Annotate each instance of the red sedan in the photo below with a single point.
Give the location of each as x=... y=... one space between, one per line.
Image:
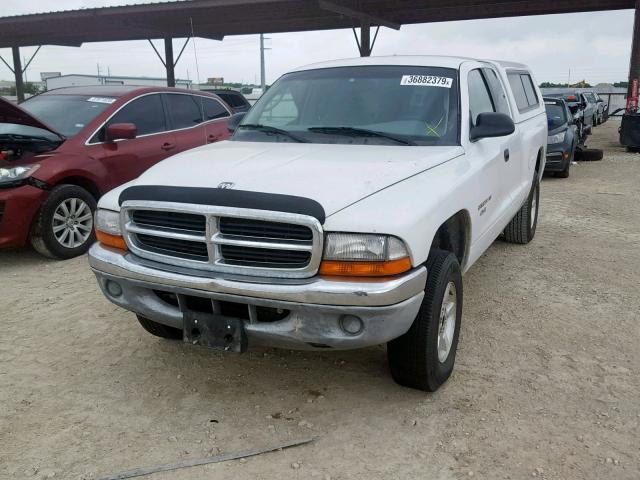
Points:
x=61 y=150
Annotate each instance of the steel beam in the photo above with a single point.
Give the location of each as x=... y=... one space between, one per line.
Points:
x=17 y=72
x=358 y=15
x=169 y=63
x=634 y=63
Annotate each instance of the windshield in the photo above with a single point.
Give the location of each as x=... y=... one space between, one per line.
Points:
x=378 y=105
x=68 y=114
x=556 y=115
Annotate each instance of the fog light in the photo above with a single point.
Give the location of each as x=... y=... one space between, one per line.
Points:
x=114 y=288
x=351 y=324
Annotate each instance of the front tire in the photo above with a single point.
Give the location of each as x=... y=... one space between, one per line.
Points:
x=159 y=330
x=522 y=228
x=423 y=358
x=63 y=227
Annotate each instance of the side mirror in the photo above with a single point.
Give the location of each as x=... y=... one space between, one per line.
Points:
x=492 y=124
x=121 y=131
x=234 y=121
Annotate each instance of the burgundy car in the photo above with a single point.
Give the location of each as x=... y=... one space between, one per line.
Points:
x=61 y=150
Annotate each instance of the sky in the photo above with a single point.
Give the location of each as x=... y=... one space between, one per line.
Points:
x=590 y=46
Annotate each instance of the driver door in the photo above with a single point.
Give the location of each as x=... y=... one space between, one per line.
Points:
x=128 y=159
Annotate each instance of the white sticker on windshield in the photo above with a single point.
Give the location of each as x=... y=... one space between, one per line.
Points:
x=101 y=100
x=426 y=81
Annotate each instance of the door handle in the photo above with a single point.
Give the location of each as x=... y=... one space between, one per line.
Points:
x=168 y=146
x=506 y=155
x=213 y=138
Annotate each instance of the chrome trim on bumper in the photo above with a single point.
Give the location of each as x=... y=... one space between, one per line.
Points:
x=316 y=290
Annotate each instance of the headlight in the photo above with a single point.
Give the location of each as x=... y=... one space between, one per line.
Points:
x=557 y=138
x=357 y=254
x=108 y=231
x=108 y=221
x=8 y=175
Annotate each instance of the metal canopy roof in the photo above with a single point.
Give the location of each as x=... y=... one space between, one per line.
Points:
x=218 y=18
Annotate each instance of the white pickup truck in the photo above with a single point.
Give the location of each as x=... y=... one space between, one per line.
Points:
x=341 y=214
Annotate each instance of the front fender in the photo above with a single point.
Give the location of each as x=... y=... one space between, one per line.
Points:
x=413 y=209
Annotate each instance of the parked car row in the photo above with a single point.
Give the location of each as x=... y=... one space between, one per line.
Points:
x=61 y=150
x=571 y=117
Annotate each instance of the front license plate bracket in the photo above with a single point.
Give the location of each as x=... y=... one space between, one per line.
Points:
x=214 y=331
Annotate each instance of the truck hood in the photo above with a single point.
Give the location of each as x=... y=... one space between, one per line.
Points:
x=336 y=176
x=12 y=113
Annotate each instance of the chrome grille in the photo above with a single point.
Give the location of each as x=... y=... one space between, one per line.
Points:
x=224 y=239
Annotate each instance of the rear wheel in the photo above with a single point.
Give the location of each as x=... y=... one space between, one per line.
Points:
x=160 y=330
x=522 y=228
x=64 y=225
x=423 y=358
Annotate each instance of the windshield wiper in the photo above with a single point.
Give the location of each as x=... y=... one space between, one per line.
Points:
x=274 y=130
x=356 y=132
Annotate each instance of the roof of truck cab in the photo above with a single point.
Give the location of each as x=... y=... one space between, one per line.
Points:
x=412 y=60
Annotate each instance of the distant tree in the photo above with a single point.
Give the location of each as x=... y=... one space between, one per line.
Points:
x=29 y=88
x=621 y=84
x=552 y=85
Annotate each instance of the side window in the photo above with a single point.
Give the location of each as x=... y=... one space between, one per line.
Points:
x=184 y=110
x=497 y=91
x=518 y=91
x=480 y=100
x=530 y=90
x=523 y=90
x=146 y=113
x=213 y=109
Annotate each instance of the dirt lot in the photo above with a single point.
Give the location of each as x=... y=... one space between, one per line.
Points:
x=546 y=382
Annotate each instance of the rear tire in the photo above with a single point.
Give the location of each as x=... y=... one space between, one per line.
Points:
x=522 y=228
x=423 y=358
x=159 y=330
x=69 y=211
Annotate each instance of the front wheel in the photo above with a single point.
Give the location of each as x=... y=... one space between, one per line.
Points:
x=423 y=358
x=158 y=329
x=64 y=225
x=522 y=228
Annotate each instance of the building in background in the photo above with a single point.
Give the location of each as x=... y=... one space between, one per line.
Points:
x=79 y=80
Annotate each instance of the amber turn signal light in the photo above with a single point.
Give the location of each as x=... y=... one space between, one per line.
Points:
x=365 y=269
x=108 y=240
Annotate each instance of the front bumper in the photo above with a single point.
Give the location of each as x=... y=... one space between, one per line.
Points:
x=18 y=206
x=314 y=308
x=558 y=160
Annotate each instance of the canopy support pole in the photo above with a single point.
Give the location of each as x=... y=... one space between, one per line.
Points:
x=17 y=71
x=168 y=62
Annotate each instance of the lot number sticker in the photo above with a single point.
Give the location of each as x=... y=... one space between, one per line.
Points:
x=101 y=100
x=426 y=81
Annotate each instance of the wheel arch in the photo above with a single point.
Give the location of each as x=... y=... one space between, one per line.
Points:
x=83 y=182
x=454 y=235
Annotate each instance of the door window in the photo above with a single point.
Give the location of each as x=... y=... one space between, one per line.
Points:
x=480 y=100
x=497 y=91
x=184 y=110
x=146 y=113
x=213 y=109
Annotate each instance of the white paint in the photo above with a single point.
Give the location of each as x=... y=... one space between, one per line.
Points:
x=404 y=191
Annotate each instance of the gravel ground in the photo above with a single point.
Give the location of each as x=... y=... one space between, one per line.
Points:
x=546 y=382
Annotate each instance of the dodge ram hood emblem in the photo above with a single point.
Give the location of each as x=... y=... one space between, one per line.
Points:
x=226 y=185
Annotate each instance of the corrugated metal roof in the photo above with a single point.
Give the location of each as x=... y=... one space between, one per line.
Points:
x=219 y=18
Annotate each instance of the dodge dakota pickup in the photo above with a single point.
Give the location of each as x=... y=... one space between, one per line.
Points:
x=341 y=214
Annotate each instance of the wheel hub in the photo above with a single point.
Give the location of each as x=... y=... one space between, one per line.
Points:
x=447 y=322
x=72 y=222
